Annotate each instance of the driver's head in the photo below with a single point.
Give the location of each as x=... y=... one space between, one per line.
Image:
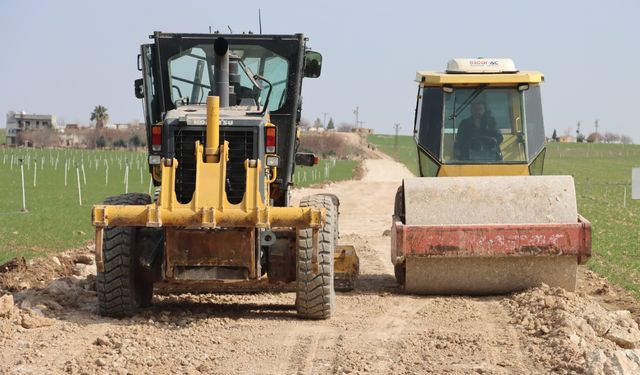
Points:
x=478 y=109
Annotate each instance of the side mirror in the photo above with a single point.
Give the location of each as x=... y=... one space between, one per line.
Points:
x=306 y=159
x=138 y=87
x=312 y=64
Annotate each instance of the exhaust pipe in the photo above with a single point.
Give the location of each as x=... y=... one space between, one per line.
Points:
x=221 y=72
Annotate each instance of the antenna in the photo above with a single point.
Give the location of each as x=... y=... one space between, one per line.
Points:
x=260 y=20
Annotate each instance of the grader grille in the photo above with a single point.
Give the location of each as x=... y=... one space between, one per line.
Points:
x=242 y=146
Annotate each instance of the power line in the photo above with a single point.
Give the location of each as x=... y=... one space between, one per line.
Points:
x=324 y=119
x=395 y=140
x=357 y=112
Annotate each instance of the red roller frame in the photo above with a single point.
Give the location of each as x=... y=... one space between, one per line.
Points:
x=492 y=240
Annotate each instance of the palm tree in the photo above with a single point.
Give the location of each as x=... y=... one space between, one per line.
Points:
x=100 y=115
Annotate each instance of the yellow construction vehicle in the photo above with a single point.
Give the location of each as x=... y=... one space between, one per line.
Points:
x=221 y=115
x=481 y=219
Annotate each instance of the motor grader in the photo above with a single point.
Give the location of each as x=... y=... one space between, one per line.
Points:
x=221 y=114
x=482 y=219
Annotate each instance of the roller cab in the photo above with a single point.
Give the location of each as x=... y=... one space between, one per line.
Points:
x=481 y=219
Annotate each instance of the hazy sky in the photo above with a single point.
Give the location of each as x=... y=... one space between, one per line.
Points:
x=65 y=57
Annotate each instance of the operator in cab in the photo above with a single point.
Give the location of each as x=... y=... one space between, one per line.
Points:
x=478 y=134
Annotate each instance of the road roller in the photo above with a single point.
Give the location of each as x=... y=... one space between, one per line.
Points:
x=482 y=218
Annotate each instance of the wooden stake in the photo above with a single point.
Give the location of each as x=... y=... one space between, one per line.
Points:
x=126 y=178
x=79 y=189
x=24 y=199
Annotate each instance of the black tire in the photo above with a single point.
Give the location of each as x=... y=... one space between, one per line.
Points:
x=336 y=221
x=315 y=296
x=121 y=290
x=398 y=210
x=400 y=273
x=398 y=206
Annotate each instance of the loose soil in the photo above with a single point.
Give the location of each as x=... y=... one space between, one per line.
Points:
x=49 y=325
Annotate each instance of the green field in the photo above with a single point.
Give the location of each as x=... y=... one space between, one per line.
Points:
x=55 y=219
x=3 y=136
x=602 y=174
x=326 y=170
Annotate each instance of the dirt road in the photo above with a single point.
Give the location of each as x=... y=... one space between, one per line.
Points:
x=53 y=327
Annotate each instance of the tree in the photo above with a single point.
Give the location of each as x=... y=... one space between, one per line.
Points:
x=101 y=142
x=100 y=116
x=135 y=141
x=625 y=139
x=611 y=137
x=330 y=125
x=345 y=127
x=304 y=124
x=119 y=143
x=317 y=123
x=39 y=137
x=580 y=138
x=554 y=137
x=594 y=137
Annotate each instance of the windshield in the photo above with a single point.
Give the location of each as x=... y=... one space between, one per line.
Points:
x=483 y=124
x=191 y=75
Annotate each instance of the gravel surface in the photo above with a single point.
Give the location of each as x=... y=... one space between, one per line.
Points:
x=48 y=321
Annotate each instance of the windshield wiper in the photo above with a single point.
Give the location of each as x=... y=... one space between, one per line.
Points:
x=250 y=74
x=466 y=103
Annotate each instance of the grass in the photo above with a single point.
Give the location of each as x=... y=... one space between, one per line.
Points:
x=55 y=220
x=3 y=136
x=602 y=174
x=326 y=170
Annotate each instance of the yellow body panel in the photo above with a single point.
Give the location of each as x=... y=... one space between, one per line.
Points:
x=510 y=147
x=347 y=267
x=439 y=79
x=462 y=170
x=209 y=207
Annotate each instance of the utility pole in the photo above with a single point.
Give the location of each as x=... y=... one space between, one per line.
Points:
x=395 y=140
x=357 y=112
x=596 y=126
x=324 y=119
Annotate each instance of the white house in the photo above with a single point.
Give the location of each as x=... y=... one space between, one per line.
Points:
x=20 y=121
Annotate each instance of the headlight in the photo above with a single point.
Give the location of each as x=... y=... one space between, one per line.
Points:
x=273 y=161
x=154 y=159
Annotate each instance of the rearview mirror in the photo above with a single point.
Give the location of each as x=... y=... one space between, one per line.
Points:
x=138 y=88
x=312 y=64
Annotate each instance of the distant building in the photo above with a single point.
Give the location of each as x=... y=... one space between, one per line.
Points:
x=18 y=122
x=69 y=139
x=127 y=125
x=567 y=139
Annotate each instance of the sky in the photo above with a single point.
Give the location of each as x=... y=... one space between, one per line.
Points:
x=65 y=57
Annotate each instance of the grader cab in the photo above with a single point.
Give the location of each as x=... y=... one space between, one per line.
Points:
x=221 y=113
